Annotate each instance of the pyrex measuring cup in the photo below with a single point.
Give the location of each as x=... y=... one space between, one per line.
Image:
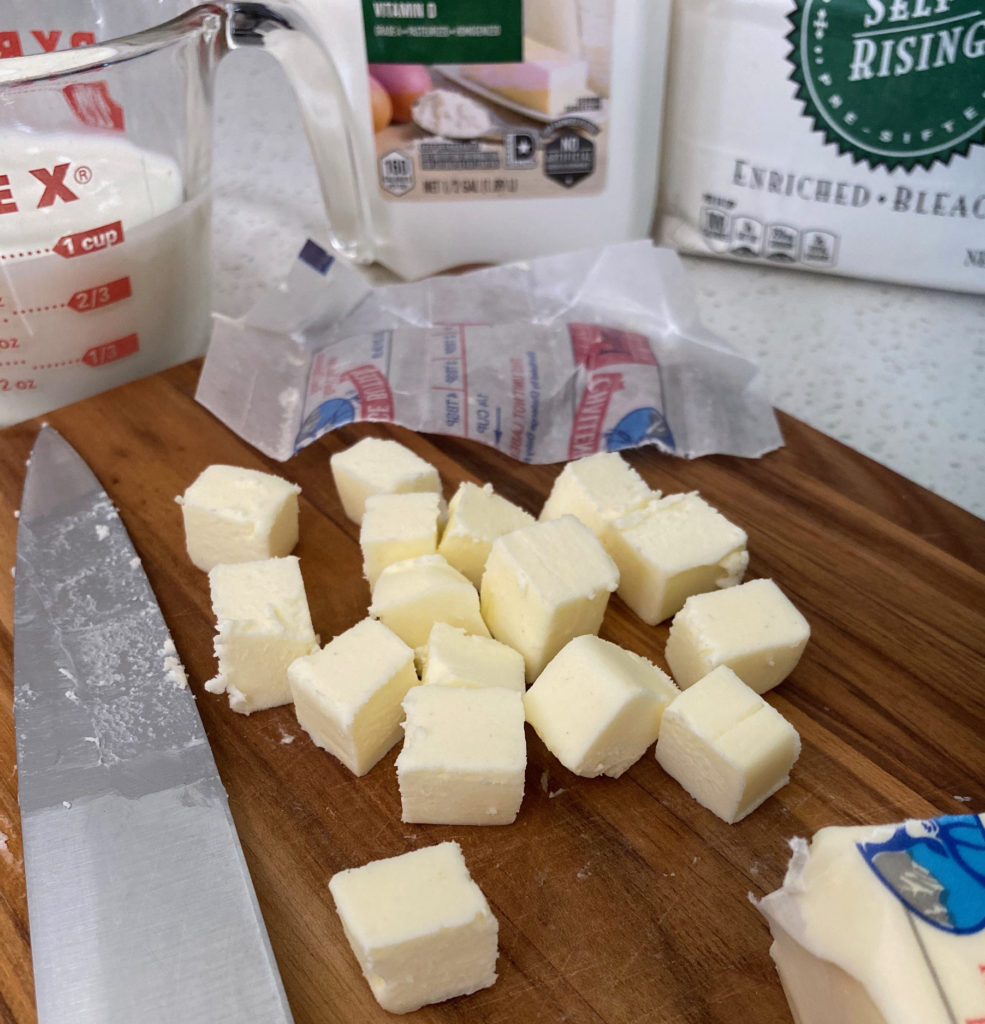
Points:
x=105 y=162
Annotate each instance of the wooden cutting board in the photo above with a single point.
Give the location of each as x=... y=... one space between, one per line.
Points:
x=619 y=901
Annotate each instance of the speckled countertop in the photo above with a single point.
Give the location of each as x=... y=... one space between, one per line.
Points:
x=897 y=373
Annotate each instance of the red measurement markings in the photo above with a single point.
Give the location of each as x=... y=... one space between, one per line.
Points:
x=101 y=295
x=7 y=345
x=30 y=310
x=24 y=384
x=81 y=243
x=23 y=254
x=109 y=352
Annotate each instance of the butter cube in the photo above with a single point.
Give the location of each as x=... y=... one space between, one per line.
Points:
x=419 y=926
x=476 y=517
x=263 y=624
x=347 y=695
x=397 y=526
x=412 y=595
x=597 y=706
x=377 y=466
x=597 y=489
x=545 y=584
x=753 y=628
x=453 y=657
x=464 y=756
x=671 y=548
x=726 y=746
x=233 y=514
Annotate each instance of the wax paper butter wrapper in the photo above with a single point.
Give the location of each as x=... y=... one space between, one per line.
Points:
x=546 y=360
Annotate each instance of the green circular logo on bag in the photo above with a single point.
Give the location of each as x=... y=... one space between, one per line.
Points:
x=894 y=83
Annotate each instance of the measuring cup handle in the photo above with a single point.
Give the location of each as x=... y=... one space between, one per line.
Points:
x=330 y=123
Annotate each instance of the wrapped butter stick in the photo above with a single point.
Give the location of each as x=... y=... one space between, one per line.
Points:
x=548 y=360
x=884 y=924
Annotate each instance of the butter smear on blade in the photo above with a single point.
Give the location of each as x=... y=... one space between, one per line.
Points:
x=884 y=924
x=233 y=514
x=263 y=624
x=420 y=928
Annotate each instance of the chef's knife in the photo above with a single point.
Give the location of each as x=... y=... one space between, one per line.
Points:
x=141 y=906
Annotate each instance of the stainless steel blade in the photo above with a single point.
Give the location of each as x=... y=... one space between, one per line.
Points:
x=140 y=902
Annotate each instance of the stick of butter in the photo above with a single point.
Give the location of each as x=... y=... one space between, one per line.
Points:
x=884 y=924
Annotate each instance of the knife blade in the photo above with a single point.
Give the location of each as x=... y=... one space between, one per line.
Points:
x=140 y=903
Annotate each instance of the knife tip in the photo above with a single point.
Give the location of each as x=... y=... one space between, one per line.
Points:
x=56 y=473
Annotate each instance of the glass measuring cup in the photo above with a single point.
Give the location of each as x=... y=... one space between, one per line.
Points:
x=105 y=168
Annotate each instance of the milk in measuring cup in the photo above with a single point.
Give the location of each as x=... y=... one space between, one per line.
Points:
x=103 y=268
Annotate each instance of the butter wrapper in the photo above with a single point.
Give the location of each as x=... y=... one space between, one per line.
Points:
x=547 y=360
x=883 y=924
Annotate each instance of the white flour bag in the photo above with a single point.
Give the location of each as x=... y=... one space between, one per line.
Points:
x=840 y=136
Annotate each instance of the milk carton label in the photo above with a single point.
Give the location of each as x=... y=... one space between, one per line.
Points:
x=430 y=32
x=525 y=116
x=855 y=144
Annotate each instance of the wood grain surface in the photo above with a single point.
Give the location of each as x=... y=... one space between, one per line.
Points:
x=619 y=901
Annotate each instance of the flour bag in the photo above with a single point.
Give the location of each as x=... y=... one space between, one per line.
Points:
x=840 y=136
